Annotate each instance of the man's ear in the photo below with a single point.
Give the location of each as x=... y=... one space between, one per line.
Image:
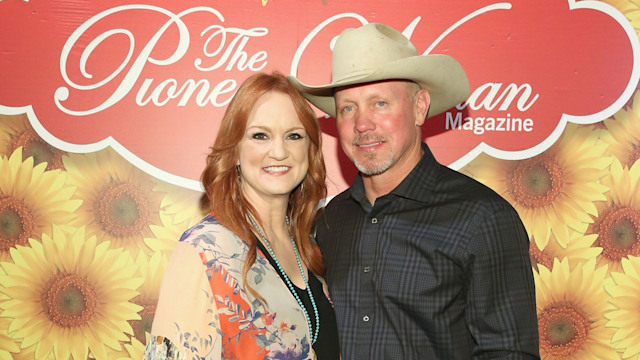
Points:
x=421 y=106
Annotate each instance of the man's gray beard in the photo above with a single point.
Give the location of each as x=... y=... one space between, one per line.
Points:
x=373 y=169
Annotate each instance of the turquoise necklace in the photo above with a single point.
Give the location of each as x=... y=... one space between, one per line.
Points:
x=314 y=334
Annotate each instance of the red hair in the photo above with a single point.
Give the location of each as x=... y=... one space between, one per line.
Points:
x=223 y=186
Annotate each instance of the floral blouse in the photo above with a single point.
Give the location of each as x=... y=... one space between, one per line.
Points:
x=204 y=312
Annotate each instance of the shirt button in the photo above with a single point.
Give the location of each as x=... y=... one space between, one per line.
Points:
x=367 y=269
x=365 y=318
x=374 y=220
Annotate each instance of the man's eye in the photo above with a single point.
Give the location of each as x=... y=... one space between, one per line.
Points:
x=381 y=103
x=347 y=108
x=260 y=136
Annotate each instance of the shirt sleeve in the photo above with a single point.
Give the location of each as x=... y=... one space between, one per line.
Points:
x=185 y=324
x=501 y=294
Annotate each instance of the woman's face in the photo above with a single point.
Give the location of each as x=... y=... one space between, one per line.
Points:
x=273 y=154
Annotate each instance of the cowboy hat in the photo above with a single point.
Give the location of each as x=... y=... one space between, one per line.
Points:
x=375 y=52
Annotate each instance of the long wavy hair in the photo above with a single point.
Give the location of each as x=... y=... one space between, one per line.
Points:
x=223 y=186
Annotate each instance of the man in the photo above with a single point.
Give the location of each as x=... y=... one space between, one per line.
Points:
x=422 y=261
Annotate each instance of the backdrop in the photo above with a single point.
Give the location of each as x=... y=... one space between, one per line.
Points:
x=107 y=110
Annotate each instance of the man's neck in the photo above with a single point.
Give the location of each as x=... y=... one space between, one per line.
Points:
x=379 y=185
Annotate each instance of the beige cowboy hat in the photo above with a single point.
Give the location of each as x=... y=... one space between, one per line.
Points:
x=375 y=52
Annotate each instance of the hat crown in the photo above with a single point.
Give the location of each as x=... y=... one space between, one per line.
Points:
x=361 y=51
x=376 y=52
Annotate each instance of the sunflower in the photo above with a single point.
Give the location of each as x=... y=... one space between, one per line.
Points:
x=132 y=349
x=16 y=132
x=166 y=236
x=69 y=295
x=579 y=248
x=625 y=319
x=553 y=192
x=30 y=354
x=135 y=349
x=617 y=224
x=571 y=305
x=183 y=204
x=31 y=199
x=8 y=345
x=119 y=205
x=151 y=269
x=623 y=135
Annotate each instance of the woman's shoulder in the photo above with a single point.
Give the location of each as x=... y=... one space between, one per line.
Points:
x=208 y=232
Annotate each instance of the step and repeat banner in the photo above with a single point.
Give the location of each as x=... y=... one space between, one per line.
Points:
x=108 y=109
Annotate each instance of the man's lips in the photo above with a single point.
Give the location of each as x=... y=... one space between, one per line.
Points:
x=368 y=145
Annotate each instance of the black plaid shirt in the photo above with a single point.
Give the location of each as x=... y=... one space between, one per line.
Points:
x=437 y=269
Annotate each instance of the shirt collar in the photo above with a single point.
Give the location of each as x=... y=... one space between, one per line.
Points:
x=416 y=186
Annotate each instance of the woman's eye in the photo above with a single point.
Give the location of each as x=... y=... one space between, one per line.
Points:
x=295 y=136
x=259 y=136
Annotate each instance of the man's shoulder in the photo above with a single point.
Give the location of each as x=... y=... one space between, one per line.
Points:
x=334 y=210
x=456 y=187
x=341 y=197
x=339 y=203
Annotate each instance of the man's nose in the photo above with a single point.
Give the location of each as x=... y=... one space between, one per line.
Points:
x=363 y=121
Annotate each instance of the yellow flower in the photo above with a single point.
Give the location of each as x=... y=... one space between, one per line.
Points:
x=553 y=192
x=166 y=236
x=69 y=295
x=625 y=319
x=30 y=354
x=16 y=132
x=617 y=224
x=136 y=348
x=571 y=304
x=623 y=135
x=579 y=249
x=31 y=199
x=8 y=345
x=184 y=204
x=152 y=270
x=119 y=204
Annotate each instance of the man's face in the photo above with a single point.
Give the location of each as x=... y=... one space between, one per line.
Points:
x=379 y=125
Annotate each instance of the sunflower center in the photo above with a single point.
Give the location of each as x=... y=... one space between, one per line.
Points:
x=619 y=233
x=140 y=327
x=40 y=150
x=16 y=223
x=563 y=329
x=69 y=300
x=122 y=210
x=535 y=182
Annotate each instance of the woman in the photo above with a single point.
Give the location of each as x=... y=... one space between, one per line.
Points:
x=244 y=282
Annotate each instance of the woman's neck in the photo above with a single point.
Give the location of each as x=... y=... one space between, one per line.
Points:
x=272 y=217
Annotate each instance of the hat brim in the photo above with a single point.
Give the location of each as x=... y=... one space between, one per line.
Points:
x=441 y=75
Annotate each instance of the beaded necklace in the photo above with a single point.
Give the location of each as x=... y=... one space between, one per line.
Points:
x=314 y=334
